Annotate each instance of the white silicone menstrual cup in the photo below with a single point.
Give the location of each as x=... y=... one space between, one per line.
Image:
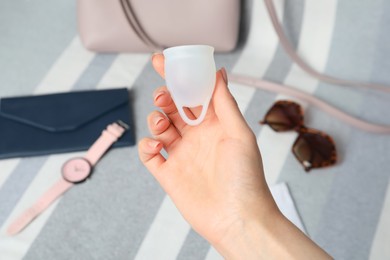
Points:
x=190 y=77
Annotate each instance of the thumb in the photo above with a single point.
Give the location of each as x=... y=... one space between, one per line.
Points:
x=158 y=64
x=226 y=107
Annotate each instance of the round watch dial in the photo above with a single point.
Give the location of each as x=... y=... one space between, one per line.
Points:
x=76 y=170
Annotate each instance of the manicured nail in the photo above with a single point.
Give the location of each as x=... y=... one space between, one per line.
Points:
x=153 y=144
x=154 y=55
x=159 y=94
x=157 y=120
x=224 y=75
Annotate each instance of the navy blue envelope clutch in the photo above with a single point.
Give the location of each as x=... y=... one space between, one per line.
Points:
x=64 y=122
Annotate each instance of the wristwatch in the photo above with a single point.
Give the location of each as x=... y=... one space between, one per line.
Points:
x=74 y=171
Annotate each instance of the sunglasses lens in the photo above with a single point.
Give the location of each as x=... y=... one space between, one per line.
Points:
x=314 y=149
x=284 y=116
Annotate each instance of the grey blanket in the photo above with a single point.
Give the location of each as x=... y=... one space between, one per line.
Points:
x=122 y=213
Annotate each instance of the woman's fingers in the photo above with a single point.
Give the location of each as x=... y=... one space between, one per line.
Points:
x=149 y=154
x=226 y=108
x=163 y=130
x=158 y=64
x=163 y=100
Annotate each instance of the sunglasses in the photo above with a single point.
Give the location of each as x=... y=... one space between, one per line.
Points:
x=312 y=148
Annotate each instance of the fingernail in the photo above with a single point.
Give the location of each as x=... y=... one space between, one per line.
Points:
x=154 y=55
x=224 y=75
x=157 y=120
x=153 y=143
x=159 y=94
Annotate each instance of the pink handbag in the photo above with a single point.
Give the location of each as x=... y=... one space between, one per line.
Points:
x=152 y=25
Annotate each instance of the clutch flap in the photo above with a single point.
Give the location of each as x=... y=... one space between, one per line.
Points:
x=64 y=111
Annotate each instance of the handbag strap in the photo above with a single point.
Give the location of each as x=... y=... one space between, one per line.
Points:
x=136 y=26
x=287 y=90
x=294 y=92
x=304 y=66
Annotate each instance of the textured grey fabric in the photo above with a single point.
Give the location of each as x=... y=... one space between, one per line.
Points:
x=33 y=35
x=93 y=74
x=355 y=195
x=194 y=247
x=109 y=216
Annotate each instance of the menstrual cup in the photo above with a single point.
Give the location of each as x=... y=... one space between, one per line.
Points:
x=190 y=78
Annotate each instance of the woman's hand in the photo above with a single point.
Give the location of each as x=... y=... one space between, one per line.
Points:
x=213 y=171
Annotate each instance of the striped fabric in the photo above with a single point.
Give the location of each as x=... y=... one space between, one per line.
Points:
x=122 y=213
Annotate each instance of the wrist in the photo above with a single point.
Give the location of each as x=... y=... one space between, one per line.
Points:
x=249 y=237
x=268 y=236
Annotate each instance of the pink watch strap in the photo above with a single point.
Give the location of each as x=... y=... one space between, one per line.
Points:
x=108 y=137
x=95 y=152
x=48 y=197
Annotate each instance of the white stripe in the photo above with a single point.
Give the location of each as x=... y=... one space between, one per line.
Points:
x=262 y=41
x=380 y=247
x=66 y=70
x=7 y=166
x=213 y=255
x=243 y=94
x=16 y=247
x=258 y=53
x=283 y=199
x=314 y=44
x=124 y=71
x=168 y=226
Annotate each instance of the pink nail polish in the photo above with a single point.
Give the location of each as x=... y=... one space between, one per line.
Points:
x=154 y=55
x=153 y=144
x=157 y=120
x=224 y=75
x=159 y=94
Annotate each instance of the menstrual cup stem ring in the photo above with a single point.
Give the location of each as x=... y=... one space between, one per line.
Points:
x=193 y=122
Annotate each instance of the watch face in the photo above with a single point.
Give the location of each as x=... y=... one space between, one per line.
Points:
x=76 y=170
